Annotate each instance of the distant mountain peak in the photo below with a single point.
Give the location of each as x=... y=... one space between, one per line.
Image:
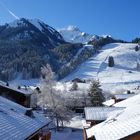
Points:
x=72 y=28
x=74 y=34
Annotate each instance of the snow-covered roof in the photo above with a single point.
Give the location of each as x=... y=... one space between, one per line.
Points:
x=120 y=124
x=25 y=92
x=123 y=96
x=109 y=102
x=117 y=97
x=14 y=124
x=99 y=113
x=129 y=102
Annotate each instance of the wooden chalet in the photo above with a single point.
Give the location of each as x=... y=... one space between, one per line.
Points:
x=21 y=97
x=120 y=124
x=121 y=97
x=96 y=115
x=117 y=98
x=78 y=80
x=18 y=122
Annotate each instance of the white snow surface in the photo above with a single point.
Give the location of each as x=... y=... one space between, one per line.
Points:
x=109 y=102
x=123 y=75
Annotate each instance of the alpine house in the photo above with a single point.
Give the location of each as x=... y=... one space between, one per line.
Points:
x=121 y=124
x=20 y=123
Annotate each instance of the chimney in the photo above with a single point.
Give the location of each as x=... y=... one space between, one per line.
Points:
x=29 y=113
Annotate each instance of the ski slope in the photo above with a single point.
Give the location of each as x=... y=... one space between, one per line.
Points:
x=123 y=75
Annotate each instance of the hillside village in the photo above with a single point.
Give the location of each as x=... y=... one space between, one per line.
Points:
x=91 y=103
x=117 y=115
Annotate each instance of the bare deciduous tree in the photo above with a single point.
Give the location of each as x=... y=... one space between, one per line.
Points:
x=51 y=98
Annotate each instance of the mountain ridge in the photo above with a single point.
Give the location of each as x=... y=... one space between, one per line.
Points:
x=73 y=34
x=28 y=44
x=24 y=48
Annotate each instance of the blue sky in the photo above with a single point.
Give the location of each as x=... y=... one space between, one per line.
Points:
x=119 y=18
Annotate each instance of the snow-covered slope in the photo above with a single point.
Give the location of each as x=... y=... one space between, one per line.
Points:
x=74 y=35
x=123 y=74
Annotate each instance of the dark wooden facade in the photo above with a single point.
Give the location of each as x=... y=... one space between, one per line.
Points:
x=85 y=136
x=78 y=80
x=37 y=136
x=41 y=134
x=135 y=136
x=15 y=95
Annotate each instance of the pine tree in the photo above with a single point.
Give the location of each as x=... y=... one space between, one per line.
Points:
x=110 y=61
x=95 y=93
x=74 y=86
x=19 y=87
x=138 y=66
x=136 y=48
x=139 y=42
